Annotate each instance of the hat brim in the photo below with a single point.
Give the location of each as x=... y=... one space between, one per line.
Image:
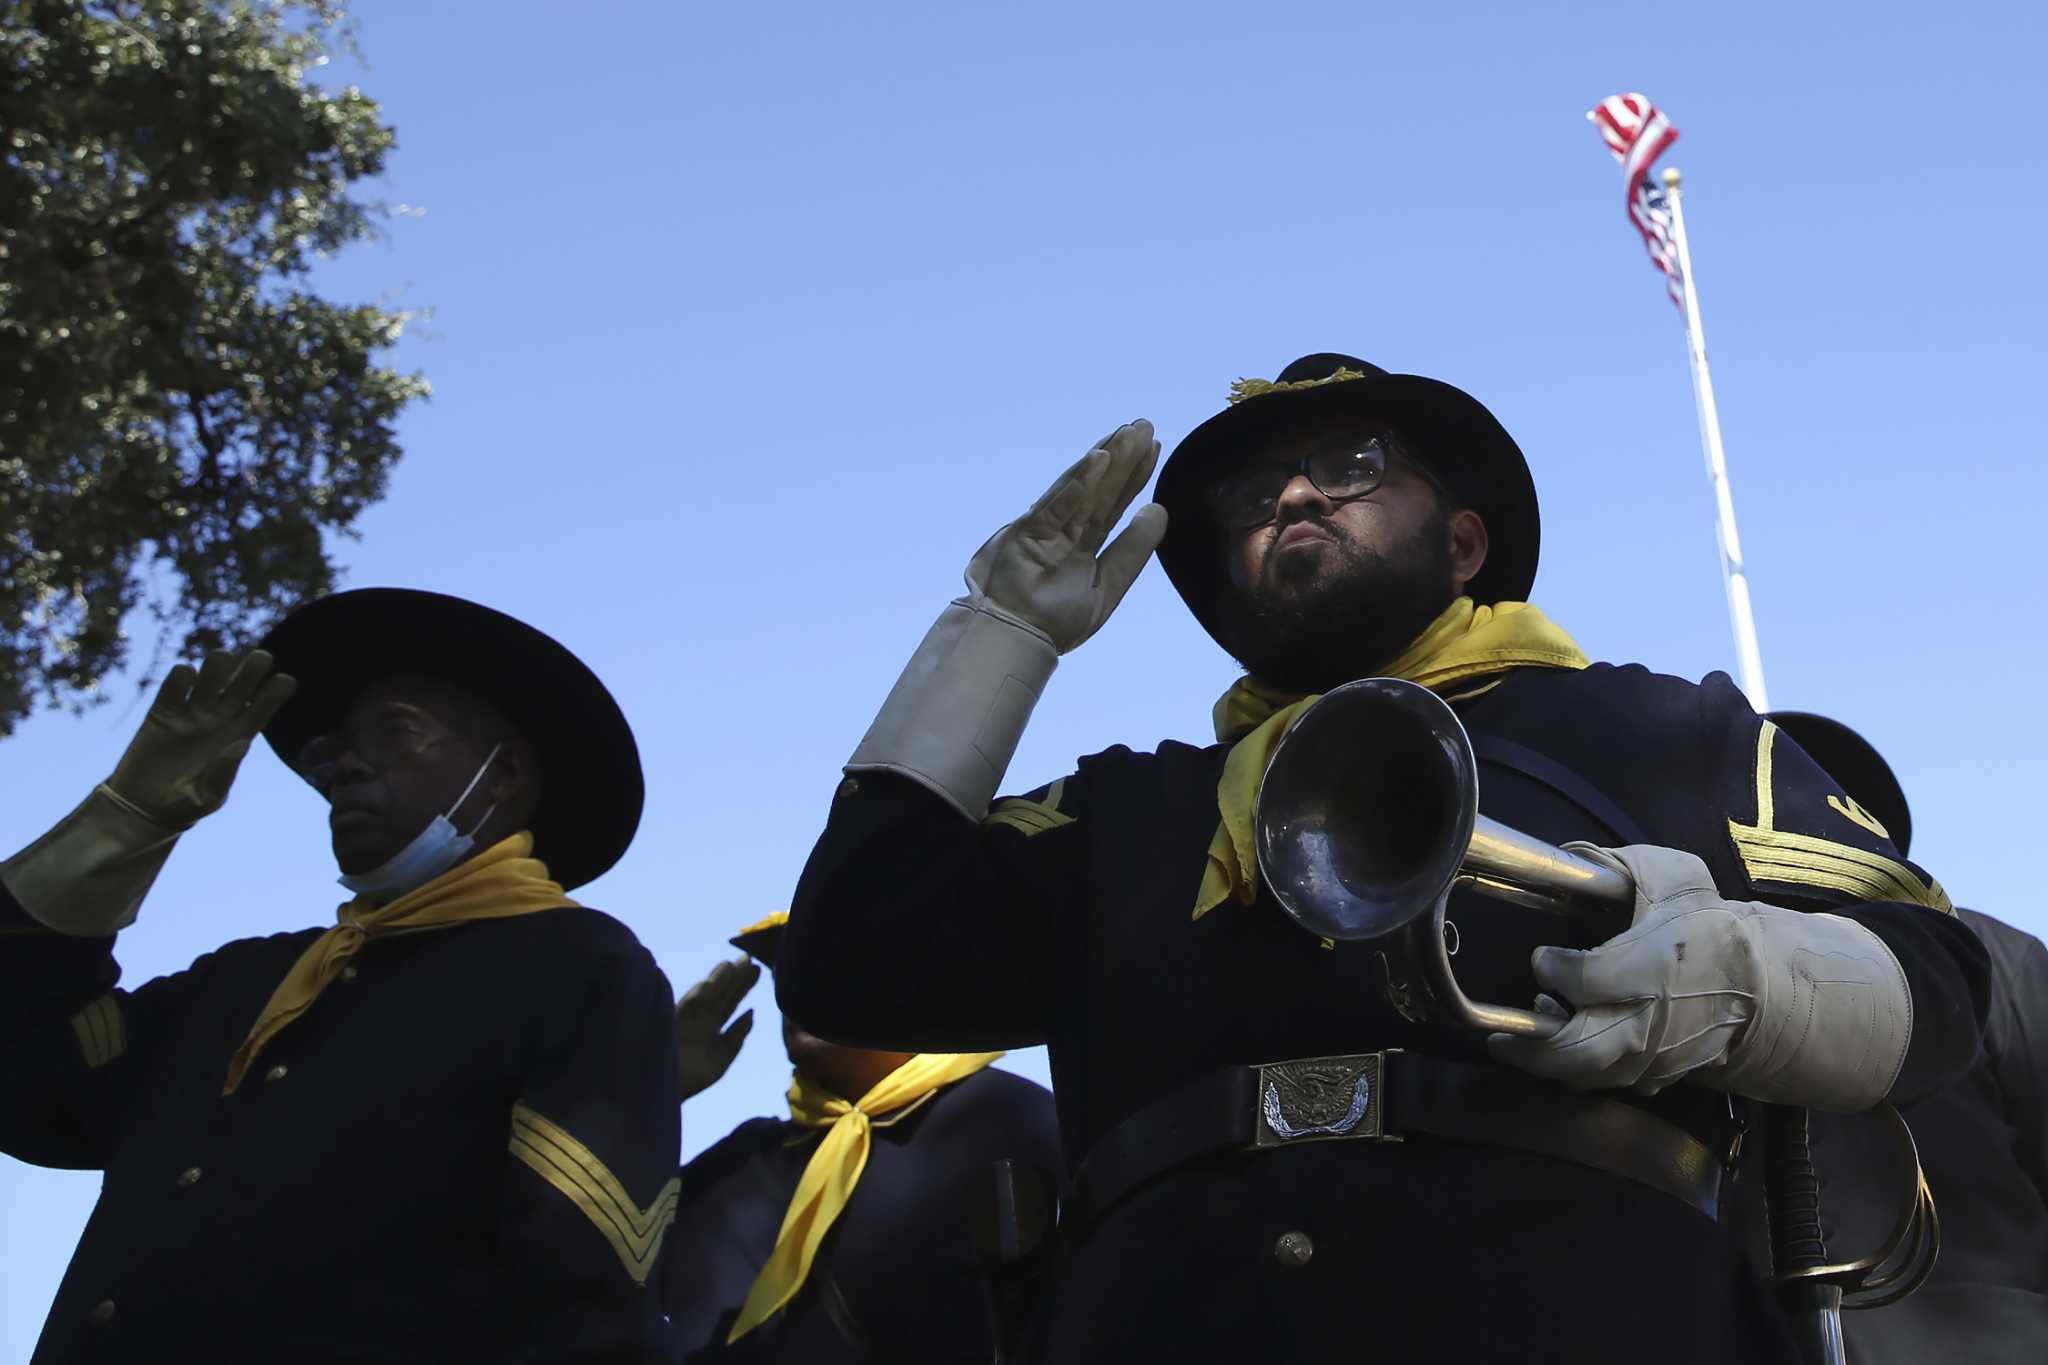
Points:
x=759 y=944
x=1461 y=442
x=760 y=939
x=1854 y=762
x=592 y=787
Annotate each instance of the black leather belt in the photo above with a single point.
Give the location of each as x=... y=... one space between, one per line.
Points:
x=1383 y=1097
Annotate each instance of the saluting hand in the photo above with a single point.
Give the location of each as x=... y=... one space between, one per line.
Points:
x=705 y=1047
x=180 y=764
x=1043 y=568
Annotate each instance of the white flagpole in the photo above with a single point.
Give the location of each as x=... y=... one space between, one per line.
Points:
x=1734 y=576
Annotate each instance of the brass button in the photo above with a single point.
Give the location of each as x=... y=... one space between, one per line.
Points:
x=189 y=1177
x=104 y=1313
x=1294 y=1250
x=277 y=1073
x=348 y=973
x=847 y=788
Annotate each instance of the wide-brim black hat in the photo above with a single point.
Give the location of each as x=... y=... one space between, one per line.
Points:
x=1854 y=762
x=592 y=789
x=1447 y=429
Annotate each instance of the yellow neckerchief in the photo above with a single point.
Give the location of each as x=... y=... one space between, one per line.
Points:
x=835 y=1168
x=1466 y=642
x=504 y=880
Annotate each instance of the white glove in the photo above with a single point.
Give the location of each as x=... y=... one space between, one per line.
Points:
x=1791 y=1008
x=1036 y=589
x=1042 y=568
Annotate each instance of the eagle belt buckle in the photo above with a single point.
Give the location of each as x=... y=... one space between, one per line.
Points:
x=1320 y=1099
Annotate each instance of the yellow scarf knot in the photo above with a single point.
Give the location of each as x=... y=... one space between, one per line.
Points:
x=835 y=1168
x=1466 y=642
x=504 y=880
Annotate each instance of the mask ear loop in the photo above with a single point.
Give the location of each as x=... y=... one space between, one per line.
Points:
x=485 y=818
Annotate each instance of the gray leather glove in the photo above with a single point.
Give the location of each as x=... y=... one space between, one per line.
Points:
x=1778 y=1005
x=89 y=874
x=1043 y=567
x=1036 y=589
x=705 y=1047
x=179 y=766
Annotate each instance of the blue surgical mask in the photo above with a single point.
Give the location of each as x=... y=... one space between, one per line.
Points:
x=433 y=851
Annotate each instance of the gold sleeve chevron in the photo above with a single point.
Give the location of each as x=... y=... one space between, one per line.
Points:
x=635 y=1233
x=1786 y=858
x=102 y=1035
x=1029 y=817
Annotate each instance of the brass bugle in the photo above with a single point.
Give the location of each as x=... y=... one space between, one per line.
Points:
x=1368 y=819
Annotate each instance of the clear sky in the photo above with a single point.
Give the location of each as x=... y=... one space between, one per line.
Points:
x=752 y=322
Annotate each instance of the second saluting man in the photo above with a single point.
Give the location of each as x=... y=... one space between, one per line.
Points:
x=443 y=1129
x=1342 y=523
x=843 y=1234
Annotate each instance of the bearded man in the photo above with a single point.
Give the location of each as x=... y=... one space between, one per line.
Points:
x=1339 y=523
x=442 y=1129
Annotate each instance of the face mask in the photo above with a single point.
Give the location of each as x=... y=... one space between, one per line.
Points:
x=433 y=851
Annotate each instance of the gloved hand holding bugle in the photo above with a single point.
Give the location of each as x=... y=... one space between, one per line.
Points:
x=1778 y=1005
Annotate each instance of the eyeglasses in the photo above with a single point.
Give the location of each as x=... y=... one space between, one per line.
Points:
x=1344 y=473
x=392 y=737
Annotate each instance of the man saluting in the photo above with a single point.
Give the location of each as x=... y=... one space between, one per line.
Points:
x=1339 y=523
x=844 y=1233
x=443 y=1128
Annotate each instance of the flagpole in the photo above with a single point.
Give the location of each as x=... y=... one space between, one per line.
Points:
x=1734 y=575
x=1815 y=1307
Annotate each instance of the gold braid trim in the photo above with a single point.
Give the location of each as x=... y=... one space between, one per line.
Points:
x=1852 y=810
x=1253 y=388
x=635 y=1233
x=1776 y=855
x=102 y=1036
x=1026 y=817
x=1030 y=817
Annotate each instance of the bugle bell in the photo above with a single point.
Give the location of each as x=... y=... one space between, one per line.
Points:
x=1368 y=819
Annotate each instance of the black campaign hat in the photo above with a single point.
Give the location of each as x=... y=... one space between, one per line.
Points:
x=592 y=789
x=1854 y=762
x=1447 y=429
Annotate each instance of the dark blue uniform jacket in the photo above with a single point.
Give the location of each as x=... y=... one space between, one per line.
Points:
x=896 y=1280
x=464 y=1151
x=1983 y=1143
x=1066 y=919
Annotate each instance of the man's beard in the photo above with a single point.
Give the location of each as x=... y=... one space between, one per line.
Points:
x=1347 y=622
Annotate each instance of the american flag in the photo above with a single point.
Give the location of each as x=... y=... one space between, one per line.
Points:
x=1637 y=132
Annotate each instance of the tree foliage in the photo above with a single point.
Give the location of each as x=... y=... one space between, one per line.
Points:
x=183 y=421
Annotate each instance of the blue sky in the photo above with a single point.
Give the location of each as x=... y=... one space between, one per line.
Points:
x=750 y=323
